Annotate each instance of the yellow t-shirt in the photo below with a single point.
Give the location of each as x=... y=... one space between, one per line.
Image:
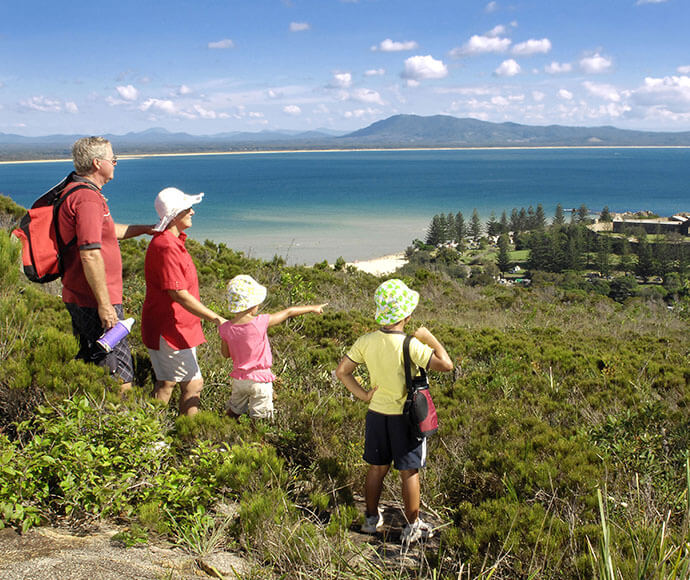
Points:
x=382 y=352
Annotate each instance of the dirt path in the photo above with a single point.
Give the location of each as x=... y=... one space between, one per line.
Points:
x=48 y=553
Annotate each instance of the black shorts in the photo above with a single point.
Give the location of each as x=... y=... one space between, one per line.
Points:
x=388 y=439
x=86 y=325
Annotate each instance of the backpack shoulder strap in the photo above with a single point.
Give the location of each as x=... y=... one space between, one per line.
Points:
x=57 y=203
x=407 y=362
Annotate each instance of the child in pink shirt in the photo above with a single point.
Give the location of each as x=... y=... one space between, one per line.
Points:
x=245 y=340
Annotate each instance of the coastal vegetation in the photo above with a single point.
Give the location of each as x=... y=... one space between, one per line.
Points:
x=572 y=253
x=562 y=452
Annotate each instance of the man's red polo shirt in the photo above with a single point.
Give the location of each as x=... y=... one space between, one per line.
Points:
x=169 y=266
x=85 y=214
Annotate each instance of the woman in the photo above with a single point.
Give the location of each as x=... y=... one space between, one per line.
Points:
x=170 y=322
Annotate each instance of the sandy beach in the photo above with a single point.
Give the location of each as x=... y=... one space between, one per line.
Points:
x=380 y=266
x=354 y=149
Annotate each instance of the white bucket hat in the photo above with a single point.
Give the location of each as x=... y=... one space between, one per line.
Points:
x=394 y=301
x=244 y=293
x=170 y=202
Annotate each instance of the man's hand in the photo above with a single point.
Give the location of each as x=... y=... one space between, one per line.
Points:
x=94 y=271
x=108 y=316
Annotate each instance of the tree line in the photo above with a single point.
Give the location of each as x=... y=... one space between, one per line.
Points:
x=565 y=245
x=452 y=227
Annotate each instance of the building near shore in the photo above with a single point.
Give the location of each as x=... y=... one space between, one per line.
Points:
x=679 y=224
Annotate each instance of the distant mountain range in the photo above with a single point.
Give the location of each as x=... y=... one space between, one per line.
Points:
x=399 y=131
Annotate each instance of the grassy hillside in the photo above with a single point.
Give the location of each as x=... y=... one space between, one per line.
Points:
x=562 y=451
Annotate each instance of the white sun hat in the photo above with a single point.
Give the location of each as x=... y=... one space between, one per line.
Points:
x=170 y=202
x=244 y=293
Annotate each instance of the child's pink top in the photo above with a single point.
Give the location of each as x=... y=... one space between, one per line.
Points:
x=249 y=349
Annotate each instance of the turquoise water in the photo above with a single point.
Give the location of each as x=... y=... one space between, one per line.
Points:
x=312 y=206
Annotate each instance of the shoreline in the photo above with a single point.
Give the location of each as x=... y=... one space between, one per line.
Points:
x=355 y=150
x=380 y=266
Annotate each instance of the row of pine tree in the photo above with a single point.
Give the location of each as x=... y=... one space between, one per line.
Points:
x=445 y=228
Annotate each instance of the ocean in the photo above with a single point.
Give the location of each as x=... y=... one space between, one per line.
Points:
x=311 y=206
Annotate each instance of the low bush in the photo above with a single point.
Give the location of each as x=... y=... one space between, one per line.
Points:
x=557 y=394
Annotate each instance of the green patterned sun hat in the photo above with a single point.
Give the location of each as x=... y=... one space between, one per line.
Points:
x=244 y=293
x=394 y=301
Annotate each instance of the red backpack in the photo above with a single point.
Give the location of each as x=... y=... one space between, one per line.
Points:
x=42 y=246
x=419 y=408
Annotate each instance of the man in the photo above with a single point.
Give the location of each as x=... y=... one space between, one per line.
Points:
x=92 y=280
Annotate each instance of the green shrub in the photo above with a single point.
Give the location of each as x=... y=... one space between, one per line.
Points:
x=10 y=250
x=556 y=392
x=82 y=459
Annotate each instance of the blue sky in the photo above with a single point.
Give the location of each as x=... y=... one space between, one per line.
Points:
x=210 y=66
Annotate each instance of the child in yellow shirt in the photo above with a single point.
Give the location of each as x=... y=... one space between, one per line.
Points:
x=388 y=438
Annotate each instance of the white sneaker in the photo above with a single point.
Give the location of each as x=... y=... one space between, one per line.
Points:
x=372 y=524
x=416 y=531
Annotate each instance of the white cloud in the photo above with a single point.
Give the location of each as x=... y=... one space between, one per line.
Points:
x=375 y=72
x=532 y=46
x=491 y=7
x=71 y=107
x=612 y=110
x=128 y=92
x=208 y=114
x=465 y=91
x=299 y=26
x=558 y=67
x=162 y=105
x=640 y=2
x=538 y=96
x=366 y=96
x=508 y=68
x=255 y=115
x=565 y=95
x=499 y=30
x=670 y=94
x=482 y=44
x=492 y=106
x=293 y=110
x=43 y=104
x=271 y=94
x=359 y=113
x=596 y=64
x=389 y=45
x=225 y=43
x=204 y=113
x=340 y=80
x=684 y=70
x=184 y=90
x=419 y=68
x=607 y=92
x=475 y=109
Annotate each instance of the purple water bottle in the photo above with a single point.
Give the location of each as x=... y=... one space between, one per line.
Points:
x=114 y=335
